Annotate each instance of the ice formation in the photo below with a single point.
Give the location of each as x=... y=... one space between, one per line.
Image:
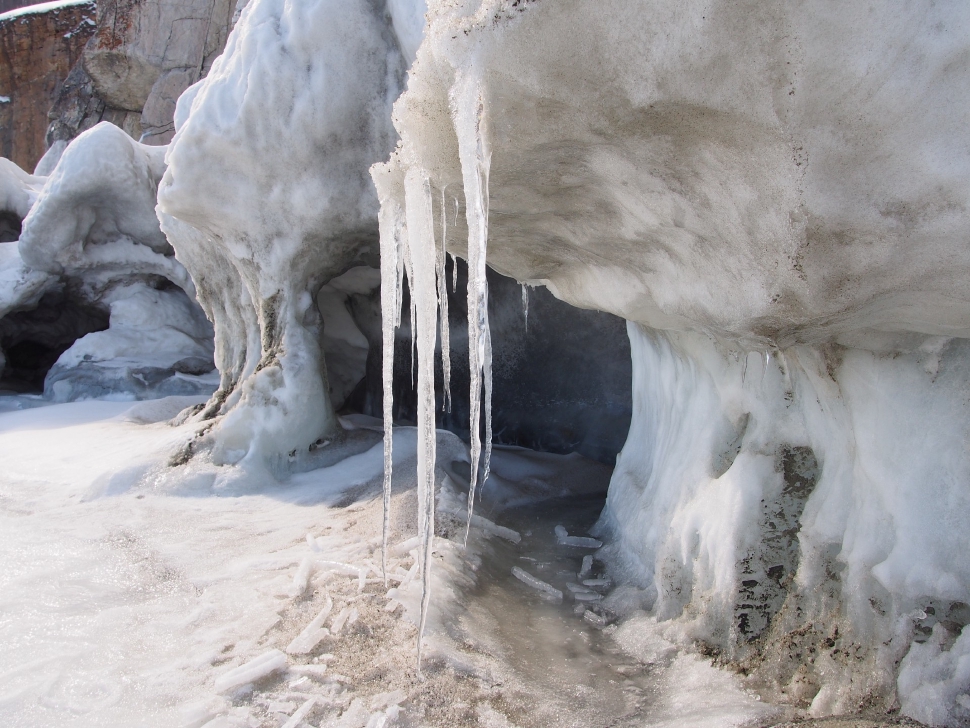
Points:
x=267 y=197
x=777 y=209
x=89 y=255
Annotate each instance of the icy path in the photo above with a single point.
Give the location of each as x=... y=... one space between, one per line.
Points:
x=134 y=594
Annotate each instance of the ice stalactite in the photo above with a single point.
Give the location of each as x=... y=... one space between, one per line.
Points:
x=443 y=303
x=424 y=294
x=407 y=237
x=525 y=306
x=468 y=109
x=393 y=231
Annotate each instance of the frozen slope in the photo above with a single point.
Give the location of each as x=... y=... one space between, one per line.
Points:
x=775 y=199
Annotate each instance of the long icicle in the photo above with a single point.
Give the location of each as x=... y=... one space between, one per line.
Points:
x=468 y=107
x=442 y=260
x=392 y=231
x=525 y=306
x=424 y=294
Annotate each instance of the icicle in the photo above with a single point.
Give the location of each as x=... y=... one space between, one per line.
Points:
x=443 y=304
x=525 y=306
x=454 y=260
x=409 y=269
x=392 y=230
x=468 y=109
x=424 y=294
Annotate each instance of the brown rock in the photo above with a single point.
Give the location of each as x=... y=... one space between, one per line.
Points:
x=37 y=50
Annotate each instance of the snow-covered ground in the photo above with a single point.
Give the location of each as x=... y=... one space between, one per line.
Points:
x=139 y=593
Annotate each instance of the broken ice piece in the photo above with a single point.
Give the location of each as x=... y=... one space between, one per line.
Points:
x=594 y=619
x=587 y=596
x=561 y=532
x=300 y=714
x=251 y=671
x=596 y=582
x=312 y=634
x=583 y=542
x=346 y=614
x=587 y=567
x=576 y=588
x=537 y=584
x=302 y=578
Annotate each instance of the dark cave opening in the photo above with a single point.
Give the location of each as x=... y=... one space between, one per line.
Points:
x=563 y=384
x=32 y=340
x=10 y=227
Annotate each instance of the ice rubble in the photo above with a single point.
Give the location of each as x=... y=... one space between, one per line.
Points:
x=89 y=248
x=776 y=207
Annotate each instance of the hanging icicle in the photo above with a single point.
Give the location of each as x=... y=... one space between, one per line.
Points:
x=468 y=108
x=424 y=294
x=525 y=306
x=442 y=259
x=392 y=231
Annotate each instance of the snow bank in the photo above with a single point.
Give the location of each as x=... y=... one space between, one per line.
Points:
x=784 y=198
x=267 y=197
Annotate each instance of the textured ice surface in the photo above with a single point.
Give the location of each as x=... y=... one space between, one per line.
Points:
x=781 y=196
x=88 y=239
x=267 y=197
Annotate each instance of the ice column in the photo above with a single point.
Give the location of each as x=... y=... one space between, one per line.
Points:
x=424 y=294
x=468 y=109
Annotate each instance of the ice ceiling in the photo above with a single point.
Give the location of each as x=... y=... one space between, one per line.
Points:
x=773 y=197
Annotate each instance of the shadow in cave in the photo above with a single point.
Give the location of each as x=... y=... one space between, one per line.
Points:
x=32 y=340
x=561 y=384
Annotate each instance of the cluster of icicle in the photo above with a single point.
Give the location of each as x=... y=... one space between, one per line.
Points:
x=408 y=247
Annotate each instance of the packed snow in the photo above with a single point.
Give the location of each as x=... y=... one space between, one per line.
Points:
x=215 y=595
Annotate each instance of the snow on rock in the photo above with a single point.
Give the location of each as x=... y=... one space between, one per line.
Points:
x=267 y=198
x=776 y=207
x=96 y=213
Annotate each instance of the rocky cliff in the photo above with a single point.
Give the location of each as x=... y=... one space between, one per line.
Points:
x=38 y=49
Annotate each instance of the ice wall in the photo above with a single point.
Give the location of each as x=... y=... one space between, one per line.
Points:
x=267 y=197
x=775 y=199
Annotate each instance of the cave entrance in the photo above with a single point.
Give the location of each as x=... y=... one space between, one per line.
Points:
x=562 y=376
x=10 y=226
x=32 y=340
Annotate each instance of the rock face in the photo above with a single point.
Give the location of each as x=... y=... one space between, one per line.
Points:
x=38 y=50
x=144 y=54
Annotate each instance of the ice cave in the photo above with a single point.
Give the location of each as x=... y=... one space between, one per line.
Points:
x=500 y=363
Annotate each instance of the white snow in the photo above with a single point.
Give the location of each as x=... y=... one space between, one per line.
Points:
x=39 y=8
